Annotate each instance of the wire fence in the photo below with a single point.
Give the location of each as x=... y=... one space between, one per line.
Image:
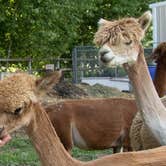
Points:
x=86 y=64
x=34 y=65
x=83 y=63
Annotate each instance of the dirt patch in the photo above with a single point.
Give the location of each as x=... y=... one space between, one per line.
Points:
x=53 y=87
x=77 y=91
x=101 y=91
x=68 y=90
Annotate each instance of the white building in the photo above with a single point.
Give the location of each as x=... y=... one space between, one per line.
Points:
x=159 y=22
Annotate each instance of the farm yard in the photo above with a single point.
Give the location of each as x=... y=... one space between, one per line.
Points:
x=82 y=83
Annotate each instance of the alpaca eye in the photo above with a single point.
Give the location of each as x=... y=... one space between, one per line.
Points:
x=129 y=42
x=17 y=111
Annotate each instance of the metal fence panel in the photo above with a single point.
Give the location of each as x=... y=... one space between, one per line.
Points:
x=86 y=64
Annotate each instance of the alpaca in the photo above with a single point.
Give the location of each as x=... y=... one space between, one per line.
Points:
x=90 y=133
x=120 y=45
x=19 y=107
x=73 y=130
x=66 y=116
x=4 y=140
x=159 y=55
x=140 y=137
x=86 y=123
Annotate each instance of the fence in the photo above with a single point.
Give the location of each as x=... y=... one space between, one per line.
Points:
x=34 y=65
x=85 y=64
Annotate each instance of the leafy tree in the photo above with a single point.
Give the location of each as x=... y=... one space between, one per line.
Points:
x=39 y=28
x=111 y=10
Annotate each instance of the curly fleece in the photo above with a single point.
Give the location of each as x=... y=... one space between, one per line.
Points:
x=16 y=88
x=140 y=137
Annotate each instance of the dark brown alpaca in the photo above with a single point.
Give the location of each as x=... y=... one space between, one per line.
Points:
x=159 y=55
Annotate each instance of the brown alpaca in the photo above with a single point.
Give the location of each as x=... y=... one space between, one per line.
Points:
x=159 y=55
x=86 y=123
x=72 y=115
x=120 y=45
x=19 y=107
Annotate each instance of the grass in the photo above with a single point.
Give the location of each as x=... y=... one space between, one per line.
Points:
x=20 y=152
x=87 y=155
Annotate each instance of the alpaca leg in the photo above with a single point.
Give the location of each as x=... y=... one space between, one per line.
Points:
x=120 y=142
x=118 y=149
x=121 y=149
x=127 y=149
x=66 y=138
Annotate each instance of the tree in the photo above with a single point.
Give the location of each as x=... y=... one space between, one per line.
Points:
x=39 y=28
x=49 y=28
x=111 y=10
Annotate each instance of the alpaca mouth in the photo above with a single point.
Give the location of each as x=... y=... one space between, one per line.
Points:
x=4 y=137
x=106 y=60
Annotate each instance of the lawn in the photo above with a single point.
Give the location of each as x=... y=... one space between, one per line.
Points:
x=20 y=152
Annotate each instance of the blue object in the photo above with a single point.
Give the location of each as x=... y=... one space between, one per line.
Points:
x=152 y=71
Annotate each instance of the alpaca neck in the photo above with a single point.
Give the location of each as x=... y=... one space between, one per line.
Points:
x=148 y=102
x=160 y=79
x=46 y=142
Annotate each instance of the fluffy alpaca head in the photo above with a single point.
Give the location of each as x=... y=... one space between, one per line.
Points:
x=17 y=93
x=159 y=53
x=119 y=40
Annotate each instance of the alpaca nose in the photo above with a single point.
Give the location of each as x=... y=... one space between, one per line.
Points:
x=102 y=53
x=103 y=56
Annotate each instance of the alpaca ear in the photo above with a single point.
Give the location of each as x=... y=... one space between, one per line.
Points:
x=49 y=80
x=145 y=20
x=156 y=54
x=102 y=22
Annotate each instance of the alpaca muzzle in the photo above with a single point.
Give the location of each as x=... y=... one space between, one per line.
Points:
x=4 y=137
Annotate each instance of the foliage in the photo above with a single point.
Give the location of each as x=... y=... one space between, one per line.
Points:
x=38 y=28
x=112 y=10
x=53 y=27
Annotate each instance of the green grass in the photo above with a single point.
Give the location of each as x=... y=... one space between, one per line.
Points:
x=20 y=152
x=86 y=155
